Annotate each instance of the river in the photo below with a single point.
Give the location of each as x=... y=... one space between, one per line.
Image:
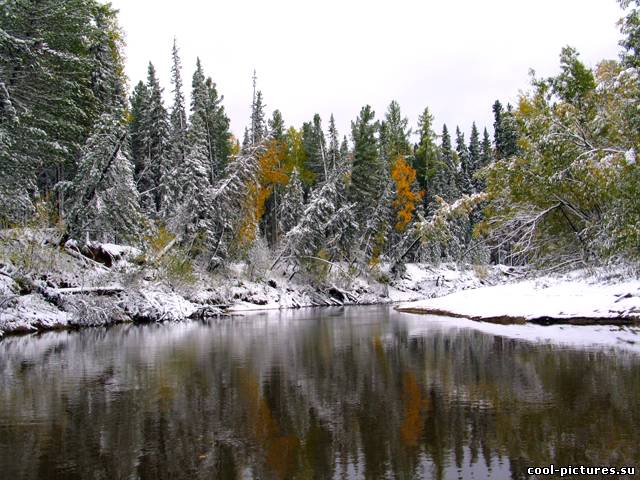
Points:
x=359 y=392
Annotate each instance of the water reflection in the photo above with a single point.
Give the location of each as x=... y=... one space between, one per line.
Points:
x=353 y=393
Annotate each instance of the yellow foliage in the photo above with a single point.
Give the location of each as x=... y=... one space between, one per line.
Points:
x=414 y=404
x=160 y=240
x=405 y=202
x=235 y=145
x=376 y=251
x=296 y=157
x=271 y=173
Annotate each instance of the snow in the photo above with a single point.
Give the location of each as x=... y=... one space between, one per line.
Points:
x=421 y=280
x=118 y=251
x=630 y=156
x=571 y=336
x=561 y=299
x=30 y=313
x=160 y=305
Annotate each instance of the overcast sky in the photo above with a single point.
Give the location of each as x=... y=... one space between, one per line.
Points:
x=456 y=57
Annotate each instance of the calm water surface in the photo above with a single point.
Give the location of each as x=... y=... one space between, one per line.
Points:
x=361 y=392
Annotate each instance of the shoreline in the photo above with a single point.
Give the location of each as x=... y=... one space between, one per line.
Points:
x=59 y=288
x=63 y=288
x=572 y=299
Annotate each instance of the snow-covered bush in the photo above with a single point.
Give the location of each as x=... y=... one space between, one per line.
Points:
x=258 y=259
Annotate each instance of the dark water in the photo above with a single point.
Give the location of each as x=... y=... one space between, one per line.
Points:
x=313 y=394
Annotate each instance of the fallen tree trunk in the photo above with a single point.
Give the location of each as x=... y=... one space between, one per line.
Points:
x=164 y=251
x=89 y=290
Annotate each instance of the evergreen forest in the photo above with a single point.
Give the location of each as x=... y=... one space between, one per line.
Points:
x=553 y=183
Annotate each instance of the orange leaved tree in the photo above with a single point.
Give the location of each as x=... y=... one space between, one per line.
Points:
x=406 y=199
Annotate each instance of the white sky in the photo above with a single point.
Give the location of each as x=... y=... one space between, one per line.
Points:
x=456 y=57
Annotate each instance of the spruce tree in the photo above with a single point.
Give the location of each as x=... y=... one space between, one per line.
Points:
x=464 y=169
x=104 y=200
x=475 y=157
x=333 y=149
x=139 y=100
x=292 y=206
x=108 y=82
x=630 y=28
x=394 y=134
x=178 y=117
x=315 y=149
x=444 y=183
x=60 y=68
x=220 y=136
x=498 y=135
x=207 y=105
x=426 y=156
x=486 y=157
x=510 y=133
x=368 y=170
x=344 y=150
x=276 y=126
x=155 y=142
x=178 y=127
x=257 y=128
x=246 y=141
x=191 y=187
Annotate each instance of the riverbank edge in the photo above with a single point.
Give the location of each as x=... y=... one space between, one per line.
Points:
x=572 y=299
x=66 y=288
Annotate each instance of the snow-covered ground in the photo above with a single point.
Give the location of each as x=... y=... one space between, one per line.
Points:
x=621 y=337
x=579 y=297
x=45 y=287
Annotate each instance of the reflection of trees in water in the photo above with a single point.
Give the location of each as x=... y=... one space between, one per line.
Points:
x=353 y=395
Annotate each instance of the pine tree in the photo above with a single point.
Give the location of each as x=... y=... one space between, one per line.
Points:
x=104 y=200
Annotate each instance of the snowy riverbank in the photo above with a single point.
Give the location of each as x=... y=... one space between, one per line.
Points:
x=581 y=297
x=44 y=286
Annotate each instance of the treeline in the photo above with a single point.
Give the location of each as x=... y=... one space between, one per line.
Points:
x=557 y=183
